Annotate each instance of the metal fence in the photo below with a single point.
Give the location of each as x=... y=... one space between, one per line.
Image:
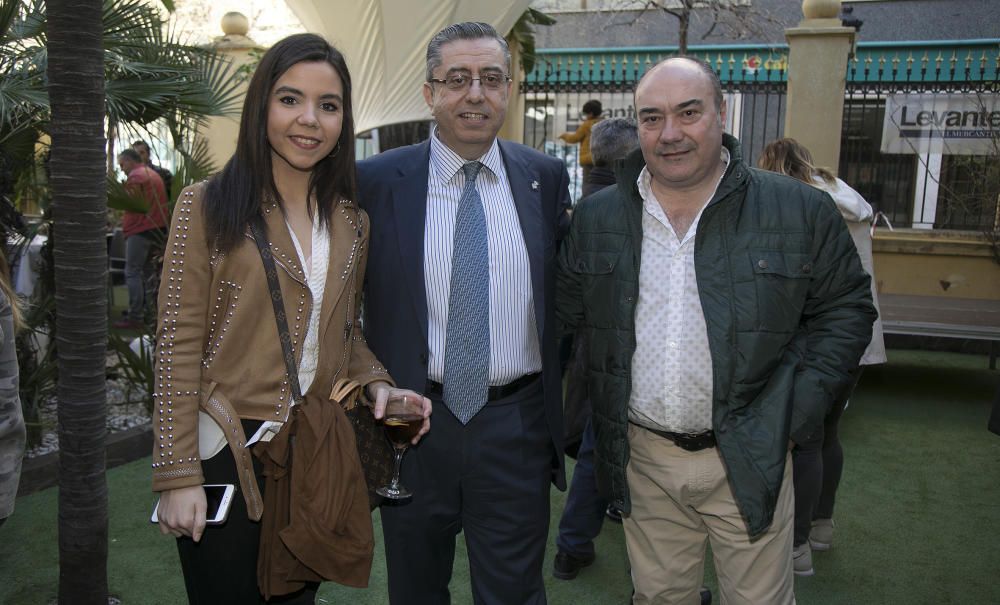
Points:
x=920 y=189
x=929 y=190
x=561 y=83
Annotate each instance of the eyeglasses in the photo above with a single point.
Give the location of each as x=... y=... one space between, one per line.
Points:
x=463 y=82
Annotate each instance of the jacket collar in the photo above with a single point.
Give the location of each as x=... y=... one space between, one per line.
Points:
x=346 y=239
x=346 y=232
x=280 y=240
x=737 y=174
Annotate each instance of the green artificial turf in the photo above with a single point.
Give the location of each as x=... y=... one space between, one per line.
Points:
x=918 y=514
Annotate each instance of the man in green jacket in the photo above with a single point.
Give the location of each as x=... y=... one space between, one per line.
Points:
x=724 y=306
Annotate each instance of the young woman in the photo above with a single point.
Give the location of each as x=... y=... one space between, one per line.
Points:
x=218 y=345
x=818 y=463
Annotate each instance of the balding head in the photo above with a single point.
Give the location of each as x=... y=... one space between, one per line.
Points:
x=703 y=67
x=681 y=117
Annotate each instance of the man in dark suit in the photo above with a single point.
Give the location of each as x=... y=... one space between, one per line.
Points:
x=459 y=305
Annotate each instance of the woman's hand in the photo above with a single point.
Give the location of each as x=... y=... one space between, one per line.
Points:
x=380 y=392
x=181 y=512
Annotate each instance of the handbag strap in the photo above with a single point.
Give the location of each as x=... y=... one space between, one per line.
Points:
x=259 y=231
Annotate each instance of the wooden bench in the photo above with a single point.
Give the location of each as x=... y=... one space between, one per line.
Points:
x=943 y=316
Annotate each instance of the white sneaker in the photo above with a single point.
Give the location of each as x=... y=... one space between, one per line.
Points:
x=821 y=534
x=802 y=560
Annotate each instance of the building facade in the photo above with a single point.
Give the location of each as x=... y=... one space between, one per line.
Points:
x=921 y=121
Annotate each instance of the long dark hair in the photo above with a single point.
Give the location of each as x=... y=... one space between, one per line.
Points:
x=234 y=196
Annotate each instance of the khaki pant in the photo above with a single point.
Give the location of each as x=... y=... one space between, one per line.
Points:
x=681 y=500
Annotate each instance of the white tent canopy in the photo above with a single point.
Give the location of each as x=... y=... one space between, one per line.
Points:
x=385 y=42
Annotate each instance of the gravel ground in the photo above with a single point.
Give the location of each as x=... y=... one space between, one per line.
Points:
x=126 y=409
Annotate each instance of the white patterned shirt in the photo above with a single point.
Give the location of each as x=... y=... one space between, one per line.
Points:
x=672 y=365
x=514 y=349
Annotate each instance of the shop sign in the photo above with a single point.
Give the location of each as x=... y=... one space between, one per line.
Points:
x=952 y=124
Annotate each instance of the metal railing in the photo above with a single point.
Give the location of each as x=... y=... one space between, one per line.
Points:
x=924 y=191
x=563 y=80
x=921 y=188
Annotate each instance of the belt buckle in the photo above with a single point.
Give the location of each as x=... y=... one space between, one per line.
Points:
x=692 y=443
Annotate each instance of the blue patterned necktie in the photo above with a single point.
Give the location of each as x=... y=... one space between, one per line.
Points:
x=467 y=346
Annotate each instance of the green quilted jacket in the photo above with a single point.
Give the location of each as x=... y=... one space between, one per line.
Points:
x=787 y=307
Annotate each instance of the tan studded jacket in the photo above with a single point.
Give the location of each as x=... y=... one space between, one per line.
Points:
x=218 y=347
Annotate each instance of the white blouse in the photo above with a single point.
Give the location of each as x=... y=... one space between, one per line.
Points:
x=315 y=269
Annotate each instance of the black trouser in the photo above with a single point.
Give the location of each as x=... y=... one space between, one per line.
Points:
x=817 y=465
x=489 y=478
x=221 y=569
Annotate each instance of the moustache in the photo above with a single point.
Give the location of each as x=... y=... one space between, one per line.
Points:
x=670 y=149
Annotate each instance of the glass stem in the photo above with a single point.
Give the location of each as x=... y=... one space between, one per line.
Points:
x=397 y=465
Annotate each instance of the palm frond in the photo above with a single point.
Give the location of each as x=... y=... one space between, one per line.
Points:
x=523 y=33
x=119 y=65
x=9 y=10
x=540 y=18
x=17 y=156
x=23 y=105
x=121 y=198
x=153 y=75
x=141 y=100
x=131 y=23
x=196 y=165
x=27 y=23
x=218 y=92
x=17 y=142
x=20 y=95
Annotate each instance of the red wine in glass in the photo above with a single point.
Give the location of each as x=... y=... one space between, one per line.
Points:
x=402 y=421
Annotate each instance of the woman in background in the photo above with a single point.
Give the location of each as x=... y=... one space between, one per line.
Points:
x=818 y=463
x=591 y=112
x=12 y=433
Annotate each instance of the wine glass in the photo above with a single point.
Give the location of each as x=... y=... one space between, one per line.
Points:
x=403 y=419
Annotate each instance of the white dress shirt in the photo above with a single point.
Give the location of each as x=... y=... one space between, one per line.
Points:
x=514 y=348
x=672 y=365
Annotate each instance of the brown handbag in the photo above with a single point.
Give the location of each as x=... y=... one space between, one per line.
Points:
x=373 y=447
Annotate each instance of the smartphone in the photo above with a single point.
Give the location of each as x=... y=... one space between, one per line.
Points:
x=219 y=499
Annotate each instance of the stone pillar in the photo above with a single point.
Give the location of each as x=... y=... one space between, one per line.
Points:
x=818 y=51
x=221 y=132
x=513 y=126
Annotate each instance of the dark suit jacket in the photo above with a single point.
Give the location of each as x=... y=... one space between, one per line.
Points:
x=393 y=190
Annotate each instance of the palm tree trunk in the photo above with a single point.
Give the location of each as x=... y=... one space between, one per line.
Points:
x=79 y=201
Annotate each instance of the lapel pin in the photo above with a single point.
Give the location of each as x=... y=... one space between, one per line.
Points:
x=534 y=185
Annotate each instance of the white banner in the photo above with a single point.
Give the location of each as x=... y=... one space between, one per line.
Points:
x=957 y=124
x=385 y=42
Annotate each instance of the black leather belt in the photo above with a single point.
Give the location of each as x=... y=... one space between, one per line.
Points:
x=691 y=442
x=436 y=389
